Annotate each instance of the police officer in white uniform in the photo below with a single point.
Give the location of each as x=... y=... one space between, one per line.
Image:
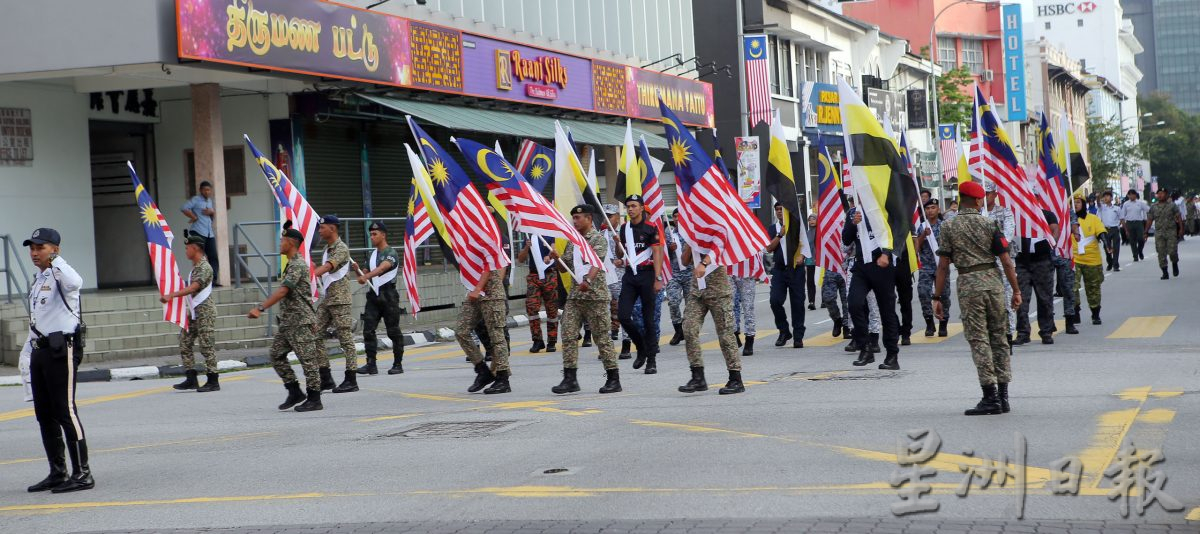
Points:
x=56 y=347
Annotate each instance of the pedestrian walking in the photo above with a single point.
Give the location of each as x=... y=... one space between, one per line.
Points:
x=1088 y=271
x=1167 y=223
x=383 y=302
x=1110 y=217
x=787 y=285
x=745 y=289
x=1035 y=277
x=1003 y=215
x=872 y=274
x=833 y=292
x=928 y=271
x=614 y=275
x=1133 y=220
x=202 y=325
x=681 y=270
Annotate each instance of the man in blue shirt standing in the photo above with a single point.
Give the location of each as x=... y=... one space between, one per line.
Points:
x=199 y=211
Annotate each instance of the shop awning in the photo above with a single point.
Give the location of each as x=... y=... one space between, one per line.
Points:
x=466 y=118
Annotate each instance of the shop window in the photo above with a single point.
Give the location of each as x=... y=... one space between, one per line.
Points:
x=972 y=55
x=947 y=53
x=235 y=172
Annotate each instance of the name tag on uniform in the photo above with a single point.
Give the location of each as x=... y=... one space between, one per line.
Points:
x=46 y=288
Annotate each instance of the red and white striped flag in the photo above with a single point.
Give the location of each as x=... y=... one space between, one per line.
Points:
x=998 y=163
x=751 y=268
x=831 y=216
x=162 y=259
x=418 y=227
x=304 y=218
x=758 y=82
x=948 y=139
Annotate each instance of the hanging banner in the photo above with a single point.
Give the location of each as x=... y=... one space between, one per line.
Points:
x=749 y=174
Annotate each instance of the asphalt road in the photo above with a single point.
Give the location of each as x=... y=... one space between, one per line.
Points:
x=813 y=437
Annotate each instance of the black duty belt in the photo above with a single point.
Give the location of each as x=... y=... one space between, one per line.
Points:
x=43 y=342
x=976 y=268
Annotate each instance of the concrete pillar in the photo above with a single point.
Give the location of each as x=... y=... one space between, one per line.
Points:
x=208 y=143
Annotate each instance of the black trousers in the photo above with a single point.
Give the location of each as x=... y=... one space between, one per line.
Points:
x=904 y=294
x=1113 y=235
x=788 y=284
x=881 y=280
x=810 y=271
x=634 y=287
x=52 y=375
x=1036 y=278
x=210 y=250
x=1136 y=235
x=386 y=306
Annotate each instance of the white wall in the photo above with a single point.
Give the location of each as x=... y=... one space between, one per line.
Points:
x=242 y=114
x=56 y=191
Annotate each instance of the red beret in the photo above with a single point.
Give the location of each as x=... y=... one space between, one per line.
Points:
x=970 y=189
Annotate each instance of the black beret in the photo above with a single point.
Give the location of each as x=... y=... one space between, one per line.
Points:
x=196 y=239
x=582 y=208
x=294 y=234
x=378 y=226
x=635 y=198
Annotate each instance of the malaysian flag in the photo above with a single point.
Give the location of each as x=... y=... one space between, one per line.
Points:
x=418 y=227
x=712 y=218
x=536 y=163
x=831 y=215
x=758 y=82
x=475 y=238
x=1053 y=195
x=531 y=212
x=948 y=139
x=998 y=163
x=162 y=259
x=304 y=218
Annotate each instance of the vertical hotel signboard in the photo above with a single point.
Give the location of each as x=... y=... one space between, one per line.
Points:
x=1014 y=62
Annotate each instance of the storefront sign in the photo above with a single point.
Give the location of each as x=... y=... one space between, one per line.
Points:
x=888 y=104
x=1014 y=61
x=1065 y=8
x=16 y=137
x=918 y=109
x=330 y=40
x=749 y=177
x=822 y=110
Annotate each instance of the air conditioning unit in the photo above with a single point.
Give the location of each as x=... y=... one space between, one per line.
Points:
x=988 y=75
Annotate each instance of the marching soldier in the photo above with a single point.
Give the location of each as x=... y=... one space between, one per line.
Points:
x=541 y=290
x=383 y=301
x=485 y=302
x=203 y=324
x=1088 y=259
x=677 y=288
x=874 y=275
x=334 y=309
x=928 y=271
x=588 y=301
x=787 y=283
x=1166 y=222
x=973 y=243
x=642 y=282
x=711 y=292
x=56 y=345
x=297 y=328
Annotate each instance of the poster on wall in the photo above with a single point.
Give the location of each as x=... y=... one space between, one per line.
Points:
x=749 y=175
x=16 y=137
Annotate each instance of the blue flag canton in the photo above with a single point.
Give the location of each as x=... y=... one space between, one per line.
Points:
x=148 y=212
x=756 y=48
x=826 y=173
x=274 y=175
x=688 y=157
x=490 y=165
x=1048 y=150
x=947 y=132
x=447 y=176
x=541 y=168
x=992 y=132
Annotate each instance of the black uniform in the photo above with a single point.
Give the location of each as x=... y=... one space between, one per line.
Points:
x=1035 y=274
x=638 y=284
x=904 y=293
x=383 y=305
x=869 y=276
x=787 y=283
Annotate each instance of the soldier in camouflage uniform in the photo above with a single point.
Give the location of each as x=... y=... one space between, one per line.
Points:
x=1008 y=224
x=334 y=309
x=1165 y=220
x=928 y=270
x=973 y=243
x=588 y=301
x=678 y=287
x=203 y=323
x=541 y=290
x=486 y=302
x=717 y=298
x=297 y=327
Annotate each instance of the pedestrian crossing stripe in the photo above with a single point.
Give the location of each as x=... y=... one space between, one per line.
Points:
x=1143 y=327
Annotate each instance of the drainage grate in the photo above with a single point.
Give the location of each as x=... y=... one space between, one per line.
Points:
x=866 y=374
x=464 y=429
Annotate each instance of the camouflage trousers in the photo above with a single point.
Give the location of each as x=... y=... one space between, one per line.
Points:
x=338 y=317
x=833 y=288
x=925 y=282
x=203 y=329
x=492 y=314
x=539 y=293
x=1091 y=277
x=614 y=291
x=984 y=316
x=743 y=306
x=677 y=290
x=699 y=304
x=1008 y=293
x=1064 y=284
x=304 y=341
x=874 y=323
x=594 y=312
x=1166 y=245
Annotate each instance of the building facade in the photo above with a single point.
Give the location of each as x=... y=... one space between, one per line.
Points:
x=1168 y=31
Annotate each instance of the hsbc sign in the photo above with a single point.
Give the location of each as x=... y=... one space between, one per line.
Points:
x=1066 y=8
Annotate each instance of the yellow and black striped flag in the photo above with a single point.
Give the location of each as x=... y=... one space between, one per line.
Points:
x=780 y=182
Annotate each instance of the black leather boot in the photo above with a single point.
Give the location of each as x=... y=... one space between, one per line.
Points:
x=1164 y=276
x=874 y=344
x=929 y=329
x=483 y=377
x=1072 y=320
x=397 y=366
x=81 y=474
x=733 y=385
x=942 y=325
x=625 y=350
x=783 y=338
x=349 y=385
x=846 y=329
x=537 y=346
x=905 y=340
x=295 y=396
x=612 y=334
x=213 y=383
x=569 y=384
x=500 y=385
x=371 y=368
x=640 y=360
x=551 y=341
x=312 y=403
x=189 y=382
x=988 y=405
x=737 y=336
x=1002 y=395
x=613 y=384
x=56 y=454
x=697 y=382
x=865 y=357
x=748 y=348
x=837 y=328
x=1096 y=315
x=678 y=337
x=587 y=338
x=891 y=362
x=853 y=346
x=1175 y=268
x=651 y=364
x=327 y=382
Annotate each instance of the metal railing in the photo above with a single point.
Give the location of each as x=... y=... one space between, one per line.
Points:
x=12 y=255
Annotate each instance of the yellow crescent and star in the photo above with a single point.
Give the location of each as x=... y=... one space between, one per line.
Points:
x=436 y=167
x=828 y=175
x=679 y=149
x=539 y=170
x=149 y=215
x=481 y=158
x=756 y=50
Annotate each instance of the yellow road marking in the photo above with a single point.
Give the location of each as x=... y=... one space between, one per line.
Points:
x=952 y=329
x=192 y=500
x=1141 y=327
x=1194 y=515
x=28 y=412
x=1113 y=427
x=1159 y=416
x=825 y=339
x=387 y=417
x=193 y=441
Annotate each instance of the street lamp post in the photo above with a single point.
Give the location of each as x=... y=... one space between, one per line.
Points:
x=937 y=148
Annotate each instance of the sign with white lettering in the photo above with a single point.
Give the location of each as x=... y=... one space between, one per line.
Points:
x=1014 y=61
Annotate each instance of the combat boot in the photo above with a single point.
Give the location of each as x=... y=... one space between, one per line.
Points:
x=1002 y=395
x=874 y=344
x=1175 y=268
x=327 y=382
x=537 y=346
x=1072 y=320
x=891 y=362
x=587 y=338
x=865 y=357
x=349 y=385
x=189 y=382
x=837 y=328
x=295 y=396
x=845 y=330
x=942 y=325
x=612 y=334
x=853 y=346
x=929 y=330
x=483 y=377
x=1096 y=315
x=733 y=385
x=640 y=360
x=500 y=385
x=652 y=364
x=1164 y=276
x=397 y=366
x=313 y=403
x=613 y=384
x=551 y=342
x=748 y=348
x=697 y=382
x=81 y=474
x=56 y=453
x=1021 y=339
x=371 y=368
x=737 y=336
x=625 y=350
x=783 y=338
x=905 y=340
x=212 y=384
x=988 y=405
x=678 y=337
x=569 y=384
